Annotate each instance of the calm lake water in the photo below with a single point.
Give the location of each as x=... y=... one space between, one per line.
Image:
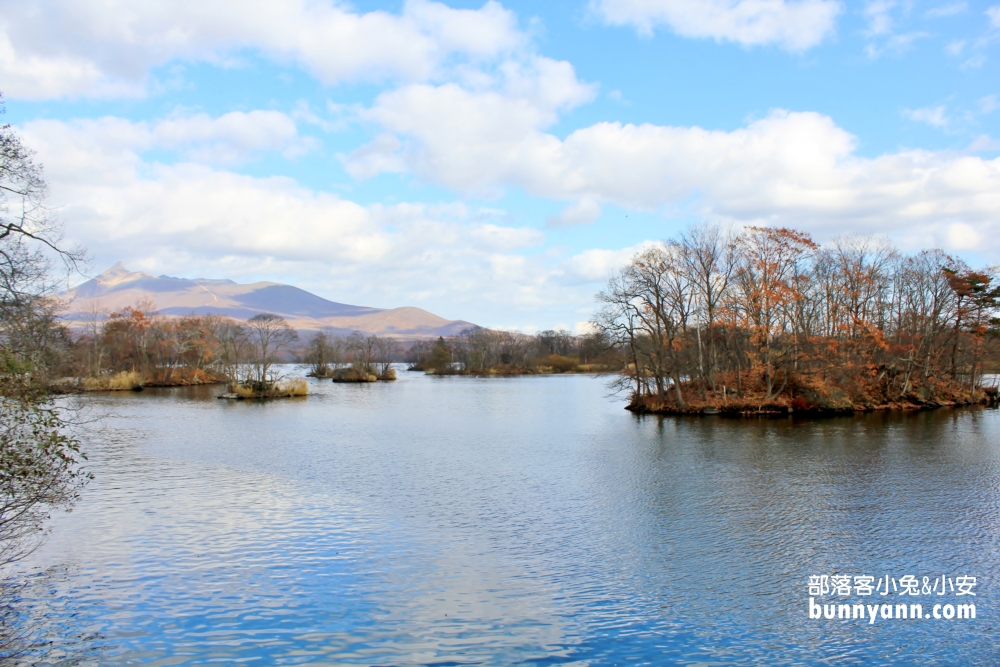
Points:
x=455 y=521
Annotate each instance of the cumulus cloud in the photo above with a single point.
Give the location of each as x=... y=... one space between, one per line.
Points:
x=581 y=213
x=499 y=123
x=230 y=138
x=792 y=25
x=56 y=48
x=797 y=169
x=597 y=264
x=224 y=140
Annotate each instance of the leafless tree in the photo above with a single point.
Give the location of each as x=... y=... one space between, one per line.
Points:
x=267 y=335
x=320 y=354
x=30 y=237
x=385 y=351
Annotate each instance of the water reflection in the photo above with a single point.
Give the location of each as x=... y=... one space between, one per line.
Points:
x=528 y=520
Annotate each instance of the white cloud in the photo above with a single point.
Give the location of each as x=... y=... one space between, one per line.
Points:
x=882 y=33
x=582 y=212
x=984 y=143
x=228 y=139
x=895 y=44
x=994 y=15
x=934 y=116
x=878 y=14
x=796 y=169
x=794 y=26
x=962 y=236
x=500 y=125
x=597 y=264
x=56 y=48
x=506 y=238
x=944 y=11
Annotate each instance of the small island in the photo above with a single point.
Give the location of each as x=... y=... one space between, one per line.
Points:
x=135 y=347
x=765 y=321
x=359 y=358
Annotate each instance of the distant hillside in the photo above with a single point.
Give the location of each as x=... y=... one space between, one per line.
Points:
x=118 y=287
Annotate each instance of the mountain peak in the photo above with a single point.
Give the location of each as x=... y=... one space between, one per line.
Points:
x=118 y=274
x=116 y=270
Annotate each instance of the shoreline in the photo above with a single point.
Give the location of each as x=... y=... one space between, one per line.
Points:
x=77 y=386
x=787 y=407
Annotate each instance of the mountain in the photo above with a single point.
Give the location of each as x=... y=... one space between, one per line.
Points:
x=118 y=287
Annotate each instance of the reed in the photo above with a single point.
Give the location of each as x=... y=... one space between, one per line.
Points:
x=124 y=381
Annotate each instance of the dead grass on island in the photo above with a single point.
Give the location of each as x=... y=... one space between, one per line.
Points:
x=288 y=388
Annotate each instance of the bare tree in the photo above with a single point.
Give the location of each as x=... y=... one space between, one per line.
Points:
x=29 y=236
x=233 y=353
x=710 y=263
x=267 y=335
x=385 y=350
x=320 y=354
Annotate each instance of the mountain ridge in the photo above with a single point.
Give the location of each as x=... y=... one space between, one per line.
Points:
x=118 y=287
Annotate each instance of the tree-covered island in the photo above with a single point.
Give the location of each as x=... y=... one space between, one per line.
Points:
x=765 y=320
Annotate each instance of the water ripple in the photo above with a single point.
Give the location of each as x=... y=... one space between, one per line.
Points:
x=456 y=521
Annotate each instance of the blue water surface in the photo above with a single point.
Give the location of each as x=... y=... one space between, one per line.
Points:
x=507 y=521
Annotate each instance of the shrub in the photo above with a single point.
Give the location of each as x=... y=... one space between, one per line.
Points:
x=558 y=363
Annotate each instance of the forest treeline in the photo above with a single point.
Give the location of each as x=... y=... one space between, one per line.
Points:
x=765 y=319
x=481 y=351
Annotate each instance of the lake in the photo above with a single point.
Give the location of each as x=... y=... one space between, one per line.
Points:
x=463 y=521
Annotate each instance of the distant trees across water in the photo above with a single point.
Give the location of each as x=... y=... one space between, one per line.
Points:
x=359 y=357
x=481 y=351
x=764 y=318
x=135 y=347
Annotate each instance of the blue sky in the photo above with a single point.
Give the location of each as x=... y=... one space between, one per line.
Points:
x=493 y=162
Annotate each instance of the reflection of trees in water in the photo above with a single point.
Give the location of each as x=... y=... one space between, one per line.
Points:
x=14 y=634
x=31 y=624
x=749 y=508
x=21 y=633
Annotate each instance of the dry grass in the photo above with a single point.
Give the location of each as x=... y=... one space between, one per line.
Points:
x=124 y=381
x=240 y=390
x=293 y=387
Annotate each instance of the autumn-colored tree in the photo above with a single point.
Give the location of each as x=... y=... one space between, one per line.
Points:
x=770 y=277
x=769 y=312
